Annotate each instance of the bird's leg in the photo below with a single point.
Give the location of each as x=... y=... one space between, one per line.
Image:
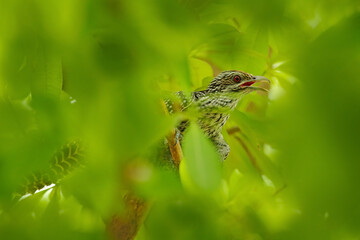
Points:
x=178 y=136
x=221 y=146
x=179 y=130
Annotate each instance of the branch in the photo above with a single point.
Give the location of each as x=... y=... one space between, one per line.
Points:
x=127 y=225
x=174 y=146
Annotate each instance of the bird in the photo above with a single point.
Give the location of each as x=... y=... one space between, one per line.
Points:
x=214 y=105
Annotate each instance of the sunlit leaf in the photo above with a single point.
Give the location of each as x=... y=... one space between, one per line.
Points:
x=202 y=161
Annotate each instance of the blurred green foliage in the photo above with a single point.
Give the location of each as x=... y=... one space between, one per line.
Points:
x=97 y=70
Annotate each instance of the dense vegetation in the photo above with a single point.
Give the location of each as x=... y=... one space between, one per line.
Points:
x=97 y=70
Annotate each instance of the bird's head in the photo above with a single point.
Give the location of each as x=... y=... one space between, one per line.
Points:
x=235 y=82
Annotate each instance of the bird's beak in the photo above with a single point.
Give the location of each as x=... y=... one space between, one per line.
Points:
x=248 y=83
x=261 y=79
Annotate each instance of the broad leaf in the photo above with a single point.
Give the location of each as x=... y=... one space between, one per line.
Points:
x=201 y=159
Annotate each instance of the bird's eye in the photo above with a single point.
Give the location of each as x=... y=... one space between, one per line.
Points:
x=237 y=78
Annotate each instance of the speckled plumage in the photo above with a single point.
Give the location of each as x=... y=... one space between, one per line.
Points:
x=214 y=105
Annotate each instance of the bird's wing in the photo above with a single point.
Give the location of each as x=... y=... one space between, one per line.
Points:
x=178 y=102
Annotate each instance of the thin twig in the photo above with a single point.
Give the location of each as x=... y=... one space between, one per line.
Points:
x=233 y=131
x=279 y=190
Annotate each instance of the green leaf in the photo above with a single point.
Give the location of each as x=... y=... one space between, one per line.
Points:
x=48 y=78
x=201 y=159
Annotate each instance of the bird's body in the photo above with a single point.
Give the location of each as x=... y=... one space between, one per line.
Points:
x=214 y=105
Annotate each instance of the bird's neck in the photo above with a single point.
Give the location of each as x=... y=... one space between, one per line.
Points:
x=215 y=102
x=214 y=110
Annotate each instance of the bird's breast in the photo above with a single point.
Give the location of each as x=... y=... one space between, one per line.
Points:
x=212 y=123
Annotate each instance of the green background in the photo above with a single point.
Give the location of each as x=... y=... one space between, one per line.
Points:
x=97 y=71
